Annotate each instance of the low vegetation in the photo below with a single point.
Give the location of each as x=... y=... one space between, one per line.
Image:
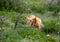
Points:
x=13 y=21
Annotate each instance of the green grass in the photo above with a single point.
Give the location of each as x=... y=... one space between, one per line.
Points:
x=24 y=34
x=30 y=34
x=50 y=16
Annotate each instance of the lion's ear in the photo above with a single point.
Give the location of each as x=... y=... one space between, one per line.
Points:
x=35 y=19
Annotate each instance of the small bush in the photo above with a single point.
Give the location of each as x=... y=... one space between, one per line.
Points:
x=51 y=26
x=55 y=9
x=38 y=8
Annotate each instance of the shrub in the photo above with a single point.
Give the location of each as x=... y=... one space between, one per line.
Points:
x=33 y=34
x=38 y=8
x=9 y=35
x=55 y=9
x=51 y=26
x=14 y=5
x=30 y=34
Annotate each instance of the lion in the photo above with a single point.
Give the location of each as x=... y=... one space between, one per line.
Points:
x=32 y=20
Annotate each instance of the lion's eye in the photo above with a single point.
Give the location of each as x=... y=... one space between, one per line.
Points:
x=31 y=20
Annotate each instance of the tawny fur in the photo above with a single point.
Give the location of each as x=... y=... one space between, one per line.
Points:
x=34 y=21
